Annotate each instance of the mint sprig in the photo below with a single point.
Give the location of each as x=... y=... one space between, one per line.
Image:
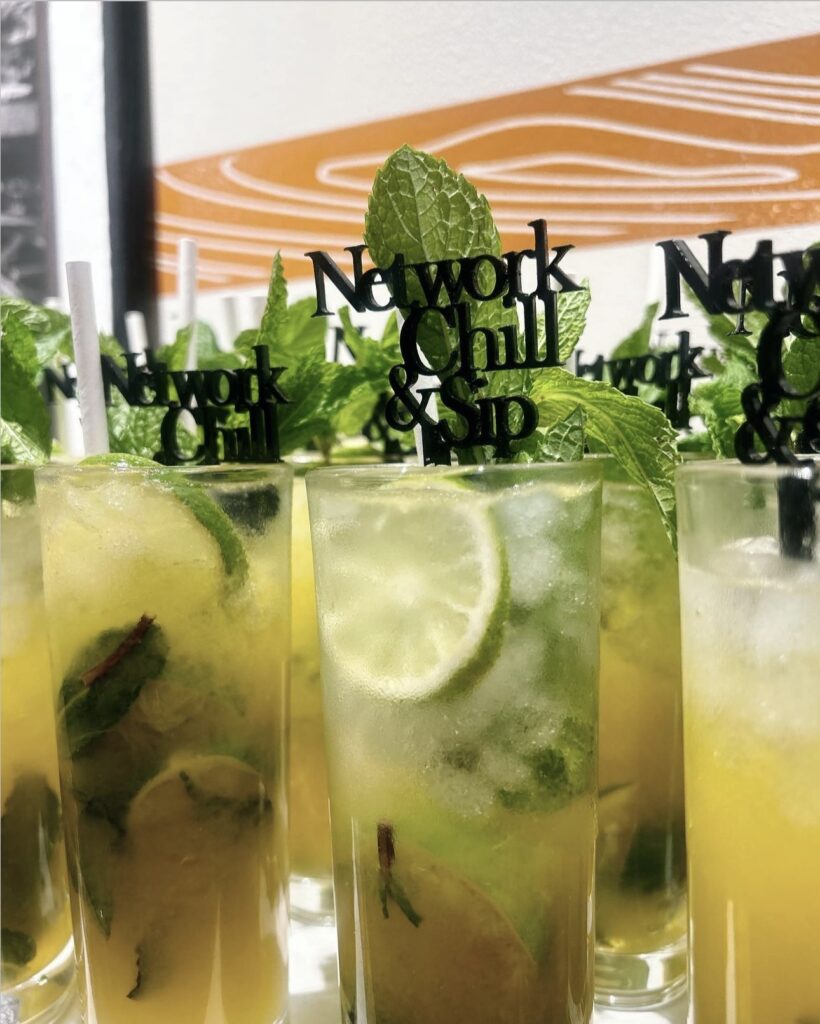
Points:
x=421 y=208
x=637 y=435
x=25 y=426
x=734 y=367
x=32 y=340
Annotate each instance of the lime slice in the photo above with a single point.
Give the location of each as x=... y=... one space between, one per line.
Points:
x=458 y=959
x=204 y=788
x=196 y=865
x=415 y=591
x=203 y=508
x=617 y=821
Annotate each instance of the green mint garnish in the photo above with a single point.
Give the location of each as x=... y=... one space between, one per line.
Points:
x=656 y=858
x=637 y=342
x=524 y=772
x=138 y=982
x=390 y=889
x=639 y=436
x=25 y=426
x=97 y=841
x=106 y=678
x=718 y=401
x=16 y=948
x=251 y=509
x=423 y=210
x=32 y=339
x=29 y=832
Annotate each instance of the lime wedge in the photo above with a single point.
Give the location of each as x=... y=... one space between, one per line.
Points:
x=197 y=863
x=415 y=589
x=203 y=508
x=461 y=960
x=205 y=787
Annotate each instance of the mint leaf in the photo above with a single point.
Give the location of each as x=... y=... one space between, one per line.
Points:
x=389 y=886
x=253 y=509
x=95 y=844
x=422 y=209
x=564 y=441
x=208 y=353
x=302 y=336
x=29 y=833
x=276 y=307
x=734 y=346
x=25 y=427
x=106 y=678
x=572 y=319
x=718 y=404
x=16 y=948
x=801 y=364
x=657 y=858
x=638 y=435
x=307 y=414
x=33 y=317
x=637 y=343
x=134 y=429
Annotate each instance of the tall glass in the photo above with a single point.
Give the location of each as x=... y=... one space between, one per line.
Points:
x=168 y=596
x=458 y=616
x=751 y=673
x=37 y=960
x=311 y=862
x=641 y=857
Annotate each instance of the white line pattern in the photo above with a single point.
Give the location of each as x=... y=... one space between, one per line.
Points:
x=581 y=194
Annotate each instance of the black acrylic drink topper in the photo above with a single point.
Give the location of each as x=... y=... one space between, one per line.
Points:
x=735 y=287
x=209 y=396
x=671 y=371
x=494 y=421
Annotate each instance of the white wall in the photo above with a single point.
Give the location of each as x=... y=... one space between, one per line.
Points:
x=229 y=75
x=232 y=74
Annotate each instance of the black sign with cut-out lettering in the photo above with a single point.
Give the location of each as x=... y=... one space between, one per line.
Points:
x=449 y=287
x=205 y=397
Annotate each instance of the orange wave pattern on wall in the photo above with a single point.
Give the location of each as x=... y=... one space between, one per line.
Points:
x=729 y=140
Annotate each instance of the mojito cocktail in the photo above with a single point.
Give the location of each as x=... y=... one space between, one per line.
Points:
x=751 y=669
x=458 y=617
x=641 y=857
x=37 y=962
x=311 y=863
x=168 y=595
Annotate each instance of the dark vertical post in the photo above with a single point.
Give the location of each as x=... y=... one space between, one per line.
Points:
x=130 y=162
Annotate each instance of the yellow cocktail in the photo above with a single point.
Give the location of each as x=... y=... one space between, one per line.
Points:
x=458 y=616
x=168 y=596
x=37 y=964
x=640 y=895
x=751 y=656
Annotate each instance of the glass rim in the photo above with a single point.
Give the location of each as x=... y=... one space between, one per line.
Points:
x=55 y=470
x=30 y=466
x=393 y=470
x=707 y=468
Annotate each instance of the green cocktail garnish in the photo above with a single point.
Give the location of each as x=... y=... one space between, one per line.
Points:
x=106 y=679
x=30 y=831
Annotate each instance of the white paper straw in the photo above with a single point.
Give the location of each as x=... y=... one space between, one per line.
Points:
x=230 y=324
x=87 y=358
x=186 y=293
x=136 y=333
